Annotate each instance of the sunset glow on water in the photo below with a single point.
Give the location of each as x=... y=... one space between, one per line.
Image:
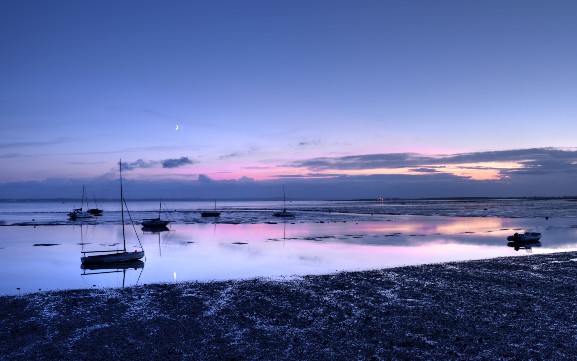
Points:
x=48 y=257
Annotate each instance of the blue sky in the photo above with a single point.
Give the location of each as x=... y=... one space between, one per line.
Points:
x=334 y=99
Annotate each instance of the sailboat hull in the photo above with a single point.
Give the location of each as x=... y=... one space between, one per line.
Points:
x=153 y=223
x=112 y=257
x=210 y=214
x=95 y=211
x=76 y=214
x=137 y=264
x=284 y=214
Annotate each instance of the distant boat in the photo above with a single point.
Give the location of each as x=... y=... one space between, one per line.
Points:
x=154 y=229
x=155 y=223
x=78 y=213
x=95 y=211
x=284 y=213
x=214 y=213
x=525 y=237
x=119 y=255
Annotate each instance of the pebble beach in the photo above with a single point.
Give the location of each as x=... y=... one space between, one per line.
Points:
x=505 y=308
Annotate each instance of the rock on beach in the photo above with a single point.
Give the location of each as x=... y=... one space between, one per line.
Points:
x=506 y=308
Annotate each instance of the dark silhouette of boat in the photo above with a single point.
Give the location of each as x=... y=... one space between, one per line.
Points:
x=95 y=211
x=155 y=223
x=214 y=213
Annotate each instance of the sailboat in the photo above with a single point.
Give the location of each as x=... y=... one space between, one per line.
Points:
x=95 y=211
x=284 y=213
x=78 y=213
x=155 y=223
x=214 y=213
x=118 y=255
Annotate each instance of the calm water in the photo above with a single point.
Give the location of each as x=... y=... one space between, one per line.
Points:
x=41 y=249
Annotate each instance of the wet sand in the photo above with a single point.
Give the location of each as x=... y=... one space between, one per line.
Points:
x=504 y=308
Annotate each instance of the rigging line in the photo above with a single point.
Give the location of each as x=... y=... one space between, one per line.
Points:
x=167 y=212
x=132 y=223
x=140 y=274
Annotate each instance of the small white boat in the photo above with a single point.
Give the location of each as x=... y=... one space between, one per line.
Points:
x=78 y=213
x=525 y=237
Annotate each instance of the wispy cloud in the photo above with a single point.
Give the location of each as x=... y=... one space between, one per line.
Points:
x=251 y=149
x=424 y=170
x=308 y=142
x=534 y=159
x=15 y=145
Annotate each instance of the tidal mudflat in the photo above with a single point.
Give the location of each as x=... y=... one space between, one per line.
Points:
x=506 y=308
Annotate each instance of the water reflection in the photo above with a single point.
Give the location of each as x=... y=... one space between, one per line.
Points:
x=528 y=245
x=205 y=251
x=105 y=268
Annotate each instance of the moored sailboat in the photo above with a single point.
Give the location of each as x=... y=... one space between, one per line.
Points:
x=155 y=223
x=284 y=213
x=95 y=211
x=78 y=213
x=214 y=213
x=118 y=255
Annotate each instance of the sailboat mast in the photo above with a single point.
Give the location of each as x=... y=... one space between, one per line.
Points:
x=83 y=197
x=122 y=207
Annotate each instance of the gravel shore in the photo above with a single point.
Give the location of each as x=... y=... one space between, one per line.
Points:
x=507 y=308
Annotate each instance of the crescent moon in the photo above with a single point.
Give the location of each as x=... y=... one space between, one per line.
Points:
x=176 y=127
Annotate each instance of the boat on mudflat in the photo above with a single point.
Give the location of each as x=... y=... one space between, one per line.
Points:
x=284 y=213
x=154 y=223
x=214 y=213
x=525 y=237
x=117 y=255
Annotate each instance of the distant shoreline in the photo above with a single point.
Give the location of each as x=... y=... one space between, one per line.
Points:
x=275 y=199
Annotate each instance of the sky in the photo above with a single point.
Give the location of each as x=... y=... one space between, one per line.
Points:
x=332 y=99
